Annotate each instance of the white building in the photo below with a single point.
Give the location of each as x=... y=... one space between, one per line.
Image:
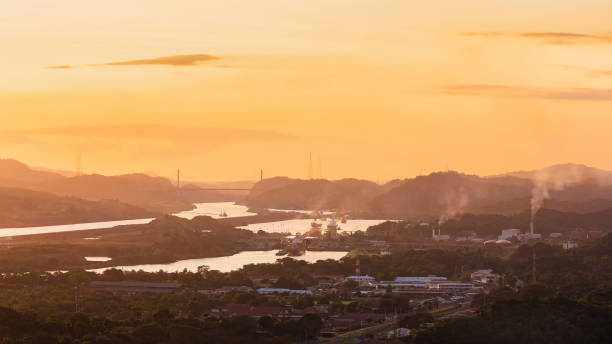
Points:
x=450 y=285
x=398 y=333
x=362 y=280
x=267 y=291
x=509 y=233
x=420 y=279
x=570 y=244
x=439 y=236
x=484 y=276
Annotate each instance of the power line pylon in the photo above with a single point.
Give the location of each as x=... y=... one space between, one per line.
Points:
x=310 y=176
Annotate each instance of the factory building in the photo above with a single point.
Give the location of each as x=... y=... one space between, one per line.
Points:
x=506 y=234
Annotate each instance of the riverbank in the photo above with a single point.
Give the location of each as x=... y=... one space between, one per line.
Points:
x=163 y=240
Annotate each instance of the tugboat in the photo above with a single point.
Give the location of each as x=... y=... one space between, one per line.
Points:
x=332 y=229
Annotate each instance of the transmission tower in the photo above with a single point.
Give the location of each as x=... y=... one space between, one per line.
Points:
x=310 y=176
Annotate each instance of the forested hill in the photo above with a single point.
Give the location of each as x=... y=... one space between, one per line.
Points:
x=22 y=208
x=440 y=194
x=155 y=194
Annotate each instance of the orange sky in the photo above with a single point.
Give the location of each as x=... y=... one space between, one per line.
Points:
x=379 y=89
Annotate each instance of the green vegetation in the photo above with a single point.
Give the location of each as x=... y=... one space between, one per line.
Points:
x=164 y=240
x=571 y=301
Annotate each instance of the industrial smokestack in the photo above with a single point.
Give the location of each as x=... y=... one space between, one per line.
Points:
x=531 y=228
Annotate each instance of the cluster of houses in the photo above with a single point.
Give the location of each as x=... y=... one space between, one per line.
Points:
x=327 y=284
x=418 y=285
x=437 y=289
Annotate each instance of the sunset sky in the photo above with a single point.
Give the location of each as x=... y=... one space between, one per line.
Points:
x=379 y=89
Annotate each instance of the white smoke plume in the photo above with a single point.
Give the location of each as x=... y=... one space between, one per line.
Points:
x=455 y=204
x=547 y=180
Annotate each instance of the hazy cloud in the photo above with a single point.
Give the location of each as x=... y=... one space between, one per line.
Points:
x=591 y=72
x=551 y=38
x=600 y=94
x=141 y=141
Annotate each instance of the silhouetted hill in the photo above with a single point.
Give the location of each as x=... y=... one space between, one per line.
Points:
x=583 y=173
x=286 y=193
x=446 y=194
x=156 y=194
x=572 y=188
x=14 y=173
x=21 y=208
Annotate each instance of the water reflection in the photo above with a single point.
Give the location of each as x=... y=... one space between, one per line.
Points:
x=214 y=210
x=229 y=263
x=209 y=209
x=303 y=225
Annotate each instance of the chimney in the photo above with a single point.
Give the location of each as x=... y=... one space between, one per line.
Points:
x=531 y=228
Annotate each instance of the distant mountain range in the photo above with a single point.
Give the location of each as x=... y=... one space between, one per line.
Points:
x=571 y=188
x=155 y=194
x=441 y=195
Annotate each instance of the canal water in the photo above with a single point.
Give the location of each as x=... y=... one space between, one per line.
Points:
x=208 y=209
x=302 y=226
x=229 y=263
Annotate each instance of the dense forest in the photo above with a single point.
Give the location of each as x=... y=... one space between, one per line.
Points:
x=568 y=299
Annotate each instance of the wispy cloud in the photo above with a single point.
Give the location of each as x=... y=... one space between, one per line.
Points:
x=551 y=38
x=59 y=67
x=596 y=73
x=598 y=94
x=174 y=60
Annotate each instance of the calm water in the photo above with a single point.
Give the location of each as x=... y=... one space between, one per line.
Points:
x=210 y=209
x=214 y=210
x=303 y=225
x=306 y=212
x=7 y=232
x=229 y=263
x=98 y=259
